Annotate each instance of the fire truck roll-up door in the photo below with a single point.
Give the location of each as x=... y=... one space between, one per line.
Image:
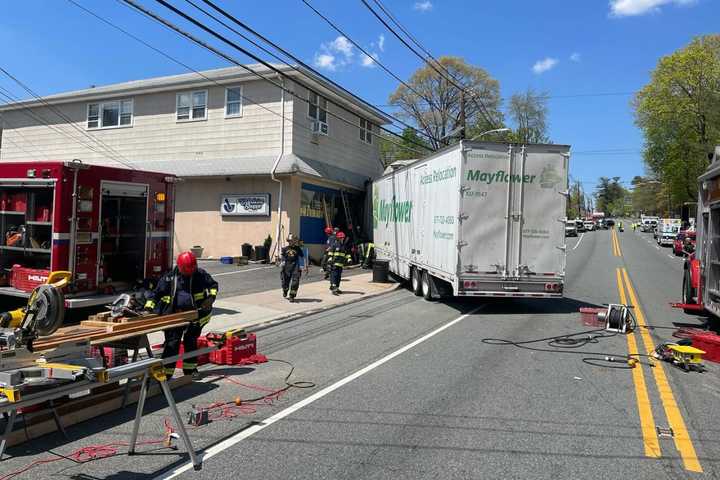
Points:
x=123 y=235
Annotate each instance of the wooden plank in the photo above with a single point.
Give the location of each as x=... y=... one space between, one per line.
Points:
x=102 y=335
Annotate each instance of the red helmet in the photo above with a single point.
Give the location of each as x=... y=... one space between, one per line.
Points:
x=328 y=230
x=339 y=235
x=187 y=263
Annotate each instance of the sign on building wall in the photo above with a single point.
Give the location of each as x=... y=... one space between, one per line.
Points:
x=247 y=205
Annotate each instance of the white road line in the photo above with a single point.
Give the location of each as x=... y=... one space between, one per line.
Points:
x=240 y=271
x=237 y=438
x=672 y=256
x=657 y=247
x=578 y=242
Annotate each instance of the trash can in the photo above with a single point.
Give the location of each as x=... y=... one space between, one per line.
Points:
x=246 y=250
x=260 y=252
x=197 y=250
x=381 y=271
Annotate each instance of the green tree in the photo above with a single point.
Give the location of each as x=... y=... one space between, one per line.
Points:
x=434 y=103
x=610 y=196
x=645 y=194
x=528 y=111
x=679 y=114
x=393 y=148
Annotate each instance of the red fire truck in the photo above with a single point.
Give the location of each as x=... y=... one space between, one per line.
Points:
x=110 y=227
x=701 y=279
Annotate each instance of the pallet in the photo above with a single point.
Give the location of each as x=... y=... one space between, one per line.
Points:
x=103 y=332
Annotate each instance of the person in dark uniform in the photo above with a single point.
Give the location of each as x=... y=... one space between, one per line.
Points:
x=290 y=267
x=338 y=257
x=186 y=287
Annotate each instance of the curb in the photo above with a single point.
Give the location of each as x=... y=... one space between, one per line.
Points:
x=296 y=316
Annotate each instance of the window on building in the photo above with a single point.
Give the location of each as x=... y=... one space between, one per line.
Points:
x=113 y=114
x=317 y=110
x=233 y=102
x=192 y=105
x=366 y=131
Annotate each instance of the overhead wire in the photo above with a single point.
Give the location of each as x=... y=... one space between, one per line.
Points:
x=12 y=100
x=294 y=58
x=445 y=73
x=114 y=154
x=250 y=70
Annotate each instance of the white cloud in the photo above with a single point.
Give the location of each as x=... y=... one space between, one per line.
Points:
x=627 y=8
x=575 y=57
x=369 y=61
x=335 y=54
x=425 y=6
x=542 y=66
x=326 y=61
x=381 y=42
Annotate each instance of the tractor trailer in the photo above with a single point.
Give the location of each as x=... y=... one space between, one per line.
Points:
x=476 y=219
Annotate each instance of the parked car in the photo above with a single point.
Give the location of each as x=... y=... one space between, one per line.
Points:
x=580 y=225
x=571 y=229
x=589 y=225
x=648 y=225
x=610 y=223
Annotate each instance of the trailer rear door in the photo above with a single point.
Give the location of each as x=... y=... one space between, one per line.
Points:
x=512 y=208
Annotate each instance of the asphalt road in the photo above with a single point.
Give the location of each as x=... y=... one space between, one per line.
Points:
x=408 y=389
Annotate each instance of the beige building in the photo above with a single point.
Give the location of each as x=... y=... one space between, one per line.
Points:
x=252 y=158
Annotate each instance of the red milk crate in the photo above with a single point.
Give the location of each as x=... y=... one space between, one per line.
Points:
x=235 y=350
x=26 y=279
x=202 y=359
x=710 y=343
x=42 y=214
x=589 y=316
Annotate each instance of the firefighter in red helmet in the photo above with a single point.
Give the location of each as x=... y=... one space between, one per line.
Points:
x=338 y=257
x=186 y=287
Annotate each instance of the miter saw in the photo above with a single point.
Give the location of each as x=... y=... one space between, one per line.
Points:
x=43 y=314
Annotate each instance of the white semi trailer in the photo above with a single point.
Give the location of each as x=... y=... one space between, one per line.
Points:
x=476 y=219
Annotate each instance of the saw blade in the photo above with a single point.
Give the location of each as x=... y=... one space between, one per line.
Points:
x=48 y=310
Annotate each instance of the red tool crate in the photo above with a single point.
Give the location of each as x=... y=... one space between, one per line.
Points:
x=710 y=343
x=202 y=359
x=590 y=318
x=17 y=202
x=235 y=350
x=26 y=279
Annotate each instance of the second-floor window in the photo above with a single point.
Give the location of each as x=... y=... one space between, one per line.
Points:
x=192 y=105
x=118 y=113
x=233 y=102
x=317 y=110
x=366 y=131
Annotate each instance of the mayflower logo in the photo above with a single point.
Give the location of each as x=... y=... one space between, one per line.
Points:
x=393 y=211
x=549 y=177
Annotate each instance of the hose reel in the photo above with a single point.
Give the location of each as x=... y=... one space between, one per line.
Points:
x=615 y=318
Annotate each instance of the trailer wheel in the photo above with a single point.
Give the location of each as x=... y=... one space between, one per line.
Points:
x=415 y=281
x=426 y=287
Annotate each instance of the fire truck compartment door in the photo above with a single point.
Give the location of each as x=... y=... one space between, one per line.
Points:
x=117 y=189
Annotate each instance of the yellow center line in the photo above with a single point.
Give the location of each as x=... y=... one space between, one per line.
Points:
x=683 y=443
x=615 y=243
x=612 y=241
x=647 y=423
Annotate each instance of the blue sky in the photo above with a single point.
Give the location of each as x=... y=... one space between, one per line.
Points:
x=572 y=49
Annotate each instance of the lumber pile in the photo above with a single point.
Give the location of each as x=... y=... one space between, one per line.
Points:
x=99 y=331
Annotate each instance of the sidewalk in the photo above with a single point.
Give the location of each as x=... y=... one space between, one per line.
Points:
x=257 y=310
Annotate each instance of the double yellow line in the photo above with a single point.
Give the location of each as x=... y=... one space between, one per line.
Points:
x=683 y=443
x=615 y=243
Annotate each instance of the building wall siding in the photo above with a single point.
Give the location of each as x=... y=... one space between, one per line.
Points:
x=155 y=134
x=342 y=146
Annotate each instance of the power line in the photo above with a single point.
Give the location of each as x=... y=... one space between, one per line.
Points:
x=27 y=111
x=115 y=154
x=447 y=76
x=286 y=52
x=244 y=51
x=188 y=67
x=375 y=60
x=172 y=27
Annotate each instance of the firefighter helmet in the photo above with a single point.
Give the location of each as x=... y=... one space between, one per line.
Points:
x=340 y=235
x=187 y=263
x=328 y=230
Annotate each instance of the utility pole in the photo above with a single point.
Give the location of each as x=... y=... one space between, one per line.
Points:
x=462 y=115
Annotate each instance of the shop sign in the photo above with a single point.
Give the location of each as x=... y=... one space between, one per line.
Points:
x=246 y=205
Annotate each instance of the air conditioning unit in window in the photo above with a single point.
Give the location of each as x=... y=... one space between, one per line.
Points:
x=320 y=128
